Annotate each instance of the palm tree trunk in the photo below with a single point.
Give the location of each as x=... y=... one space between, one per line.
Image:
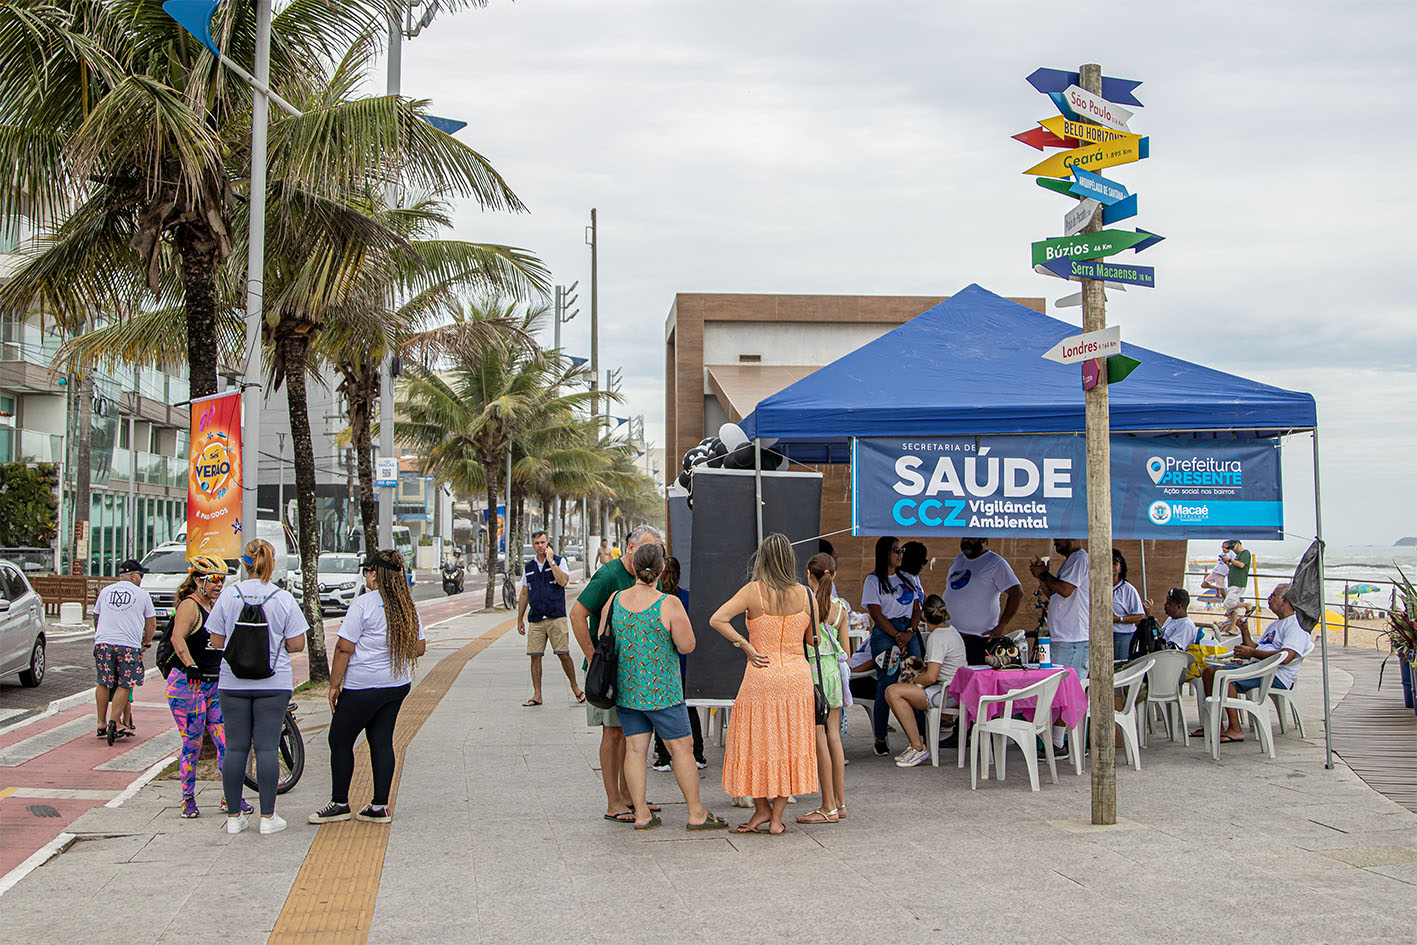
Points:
x=494 y=486
x=199 y=278
x=294 y=348
x=360 y=390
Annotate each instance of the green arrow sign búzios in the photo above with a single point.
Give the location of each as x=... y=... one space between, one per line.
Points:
x=1085 y=245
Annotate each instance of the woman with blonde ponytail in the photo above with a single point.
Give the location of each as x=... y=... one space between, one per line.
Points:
x=380 y=641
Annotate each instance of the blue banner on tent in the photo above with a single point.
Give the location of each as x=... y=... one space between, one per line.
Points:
x=1171 y=487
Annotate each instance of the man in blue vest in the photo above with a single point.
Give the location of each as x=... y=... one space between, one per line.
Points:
x=543 y=591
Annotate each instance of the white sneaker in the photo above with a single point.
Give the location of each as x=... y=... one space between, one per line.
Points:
x=272 y=824
x=913 y=758
x=236 y=824
x=904 y=755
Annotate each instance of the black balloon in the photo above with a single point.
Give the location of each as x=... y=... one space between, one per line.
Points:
x=685 y=479
x=717 y=447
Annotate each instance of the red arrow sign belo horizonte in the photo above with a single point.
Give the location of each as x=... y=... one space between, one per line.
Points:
x=1040 y=138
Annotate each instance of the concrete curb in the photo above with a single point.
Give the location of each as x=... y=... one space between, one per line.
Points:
x=62 y=705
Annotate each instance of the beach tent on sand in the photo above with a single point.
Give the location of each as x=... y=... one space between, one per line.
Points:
x=973 y=365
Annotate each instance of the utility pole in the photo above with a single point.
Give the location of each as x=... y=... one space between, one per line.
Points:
x=1099 y=538
x=564 y=300
x=596 y=506
x=386 y=373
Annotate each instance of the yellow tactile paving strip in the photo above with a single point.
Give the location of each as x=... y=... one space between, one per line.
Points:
x=332 y=900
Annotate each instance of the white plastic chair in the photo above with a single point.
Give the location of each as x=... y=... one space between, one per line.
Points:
x=1285 y=699
x=1022 y=731
x=932 y=723
x=1131 y=679
x=1078 y=733
x=1163 y=690
x=1255 y=706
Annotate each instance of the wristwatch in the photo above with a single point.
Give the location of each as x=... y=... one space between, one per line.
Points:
x=738 y=644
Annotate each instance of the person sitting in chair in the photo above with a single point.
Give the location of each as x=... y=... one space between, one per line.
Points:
x=944 y=653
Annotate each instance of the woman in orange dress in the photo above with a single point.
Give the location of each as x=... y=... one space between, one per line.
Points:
x=771 y=747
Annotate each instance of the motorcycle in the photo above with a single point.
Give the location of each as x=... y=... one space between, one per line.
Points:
x=452 y=579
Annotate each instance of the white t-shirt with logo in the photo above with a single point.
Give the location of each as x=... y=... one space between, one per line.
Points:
x=1126 y=602
x=1068 y=616
x=972 y=591
x=896 y=601
x=946 y=647
x=364 y=625
x=1286 y=634
x=123 y=609
x=284 y=621
x=1180 y=631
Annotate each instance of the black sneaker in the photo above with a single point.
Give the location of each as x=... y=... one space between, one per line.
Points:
x=1059 y=754
x=662 y=764
x=883 y=747
x=701 y=763
x=330 y=813
x=377 y=815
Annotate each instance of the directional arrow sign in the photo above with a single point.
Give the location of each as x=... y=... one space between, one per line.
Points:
x=1045 y=271
x=1092 y=344
x=448 y=126
x=1092 y=157
x=1088 y=184
x=1084 y=103
x=1121 y=210
x=1113 y=89
x=195 y=16
x=1040 y=138
x=1102 y=269
x=1075 y=219
x=1061 y=127
x=1148 y=239
x=1085 y=246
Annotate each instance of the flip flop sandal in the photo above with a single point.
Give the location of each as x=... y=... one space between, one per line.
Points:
x=1230 y=740
x=654 y=821
x=103 y=732
x=653 y=808
x=714 y=822
x=530 y=702
x=744 y=828
x=624 y=817
x=817 y=816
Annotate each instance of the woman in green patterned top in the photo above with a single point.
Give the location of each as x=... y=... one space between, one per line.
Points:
x=651 y=630
x=826 y=661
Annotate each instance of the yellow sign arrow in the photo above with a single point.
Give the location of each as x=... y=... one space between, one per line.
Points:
x=1091 y=158
x=1082 y=131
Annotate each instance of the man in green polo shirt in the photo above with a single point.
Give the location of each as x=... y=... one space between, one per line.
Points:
x=1236 y=610
x=585 y=623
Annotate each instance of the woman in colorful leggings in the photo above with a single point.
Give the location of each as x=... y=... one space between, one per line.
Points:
x=192 y=670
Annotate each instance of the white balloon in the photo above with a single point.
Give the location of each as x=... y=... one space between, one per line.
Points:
x=732 y=436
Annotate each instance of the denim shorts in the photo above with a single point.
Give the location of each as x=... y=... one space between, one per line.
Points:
x=1245 y=685
x=669 y=724
x=1074 y=655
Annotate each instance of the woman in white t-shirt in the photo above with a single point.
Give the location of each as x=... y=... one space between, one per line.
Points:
x=892 y=598
x=380 y=641
x=253 y=706
x=1128 y=609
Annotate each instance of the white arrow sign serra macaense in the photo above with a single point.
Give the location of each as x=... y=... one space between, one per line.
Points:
x=1084 y=347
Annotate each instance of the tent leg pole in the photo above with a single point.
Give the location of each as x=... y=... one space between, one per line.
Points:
x=1142 y=544
x=1323 y=609
x=758 y=484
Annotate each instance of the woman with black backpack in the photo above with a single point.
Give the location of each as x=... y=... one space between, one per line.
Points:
x=257 y=625
x=192 y=668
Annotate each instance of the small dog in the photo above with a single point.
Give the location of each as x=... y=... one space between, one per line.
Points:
x=910 y=667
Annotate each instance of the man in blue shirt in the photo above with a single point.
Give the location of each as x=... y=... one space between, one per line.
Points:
x=542 y=591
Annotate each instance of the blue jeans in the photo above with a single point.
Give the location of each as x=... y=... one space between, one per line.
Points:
x=1071 y=654
x=880 y=643
x=1121 y=644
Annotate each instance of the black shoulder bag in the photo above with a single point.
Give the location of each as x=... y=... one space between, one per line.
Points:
x=600 y=677
x=821 y=707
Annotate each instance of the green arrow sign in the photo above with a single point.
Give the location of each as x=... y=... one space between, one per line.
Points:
x=1119 y=366
x=1085 y=246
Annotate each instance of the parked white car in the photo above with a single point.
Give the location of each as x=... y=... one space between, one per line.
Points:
x=167 y=569
x=21 y=627
x=339 y=578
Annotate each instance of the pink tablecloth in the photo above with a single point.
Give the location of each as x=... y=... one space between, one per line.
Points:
x=971 y=684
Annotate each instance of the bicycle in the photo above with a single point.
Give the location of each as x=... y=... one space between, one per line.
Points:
x=290 y=753
x=509 y=592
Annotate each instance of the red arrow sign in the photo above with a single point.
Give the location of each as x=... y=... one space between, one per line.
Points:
x=1040 y=138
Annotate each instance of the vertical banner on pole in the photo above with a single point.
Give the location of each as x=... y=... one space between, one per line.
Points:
x=214 y=477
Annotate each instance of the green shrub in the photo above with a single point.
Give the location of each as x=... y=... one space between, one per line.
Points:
x=29 y=513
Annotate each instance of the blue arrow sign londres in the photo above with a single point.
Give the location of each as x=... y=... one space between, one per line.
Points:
x=195 y=16
x=1113 y=89
x=1099 y=188
x=1077 y=269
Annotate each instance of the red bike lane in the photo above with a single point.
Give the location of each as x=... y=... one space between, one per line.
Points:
x=54 y=769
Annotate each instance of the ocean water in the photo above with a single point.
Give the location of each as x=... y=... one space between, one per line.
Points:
x=1354 y=564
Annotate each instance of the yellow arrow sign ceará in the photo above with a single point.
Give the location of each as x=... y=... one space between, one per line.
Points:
x=1090 y=158
x=1082 y=131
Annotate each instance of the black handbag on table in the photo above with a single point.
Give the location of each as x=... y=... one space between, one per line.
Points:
x=600 y=677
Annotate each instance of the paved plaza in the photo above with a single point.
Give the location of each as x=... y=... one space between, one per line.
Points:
x=498 y=837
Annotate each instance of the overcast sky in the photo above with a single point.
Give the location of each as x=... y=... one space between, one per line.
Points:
x=856 y=147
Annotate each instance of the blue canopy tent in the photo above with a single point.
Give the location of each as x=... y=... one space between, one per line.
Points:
x=973 y=365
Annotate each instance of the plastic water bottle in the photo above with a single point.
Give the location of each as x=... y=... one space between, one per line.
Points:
x=1045 y=652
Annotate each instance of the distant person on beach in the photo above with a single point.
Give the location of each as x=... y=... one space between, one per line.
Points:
x=1236 y=610
x=585 y=623
x=603 y=554
x=1128 y=609
x=124 y=623
x=1284 y=635
x=982 y=594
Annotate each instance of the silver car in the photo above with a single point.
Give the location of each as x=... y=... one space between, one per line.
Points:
x=21 y=627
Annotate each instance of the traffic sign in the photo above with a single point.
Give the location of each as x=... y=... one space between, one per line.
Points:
x=1062 y=127
x=386 y=471
x=1076 y=269
x=1092 y=344
x=1085 y=246
x=1040 y=138
x=1088 y=184
x=1077 y=218
x=1086 y=105
x=1113 y=89
x=1092 y=157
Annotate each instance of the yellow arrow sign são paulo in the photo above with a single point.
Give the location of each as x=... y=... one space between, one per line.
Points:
x=1091 y=158
x=1082 y=131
